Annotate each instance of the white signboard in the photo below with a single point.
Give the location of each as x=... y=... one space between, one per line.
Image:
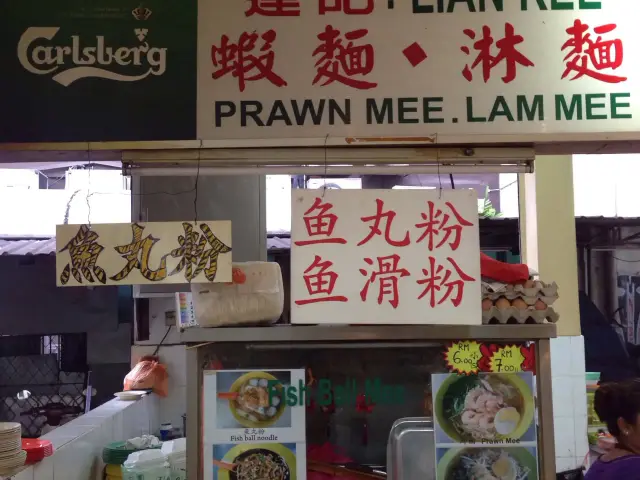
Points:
x=385 y=257
x=143 y=253
x=434 y=70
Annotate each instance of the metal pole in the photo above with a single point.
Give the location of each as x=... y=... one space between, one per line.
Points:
x=547 y=449
x=194 y=439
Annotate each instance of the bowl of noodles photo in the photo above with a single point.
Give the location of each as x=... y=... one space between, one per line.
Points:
x=485 y=407
x=271 y=461
x=252 y=406
x=488 y=464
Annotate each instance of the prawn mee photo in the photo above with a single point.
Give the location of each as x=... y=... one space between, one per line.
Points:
x=252 y=399
x=484 y=409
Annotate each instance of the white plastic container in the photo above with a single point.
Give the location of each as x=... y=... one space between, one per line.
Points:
x=259 y=299
x=175 y=452
x=146 y=465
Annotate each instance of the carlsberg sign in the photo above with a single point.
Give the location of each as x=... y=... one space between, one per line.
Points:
x=41 y=53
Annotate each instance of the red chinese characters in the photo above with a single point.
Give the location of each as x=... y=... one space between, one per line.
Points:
x=440 y=283
x=436 y=222
x=361 y=7
x=242 y=61
x=320 y=223
x=320 y=281
x=274 y=8
x=340 y=62
x=592 y=57
x=387 y=276
x=387 y=218
x=507 y=52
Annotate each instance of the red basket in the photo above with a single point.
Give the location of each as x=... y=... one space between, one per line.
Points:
x=36 y=449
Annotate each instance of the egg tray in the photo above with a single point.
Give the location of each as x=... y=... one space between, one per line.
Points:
x=529 y=300
x=519 y=316
x=540 y=290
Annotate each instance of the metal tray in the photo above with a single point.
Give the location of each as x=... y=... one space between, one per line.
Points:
x=411 y=450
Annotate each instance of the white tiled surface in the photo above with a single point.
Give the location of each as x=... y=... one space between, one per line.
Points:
x=78 y=444
x=569 y=401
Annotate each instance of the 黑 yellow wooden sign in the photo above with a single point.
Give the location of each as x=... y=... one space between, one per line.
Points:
x=143 y=253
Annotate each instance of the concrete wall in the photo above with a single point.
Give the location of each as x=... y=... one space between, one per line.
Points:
x=242 y=200
x=31 y=304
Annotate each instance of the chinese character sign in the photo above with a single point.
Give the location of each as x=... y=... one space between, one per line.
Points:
x=143 y=253
x=385 y=257
x=440 y=70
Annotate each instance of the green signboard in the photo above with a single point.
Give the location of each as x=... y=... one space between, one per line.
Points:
x=97 y=70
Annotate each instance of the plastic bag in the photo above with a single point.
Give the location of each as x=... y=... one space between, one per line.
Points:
x=503 y=272
x=148 y=373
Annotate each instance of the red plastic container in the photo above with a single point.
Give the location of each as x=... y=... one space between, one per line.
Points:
x=36 y=449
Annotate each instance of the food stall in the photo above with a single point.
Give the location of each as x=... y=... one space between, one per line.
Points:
x=273 y=348
x=370 y=381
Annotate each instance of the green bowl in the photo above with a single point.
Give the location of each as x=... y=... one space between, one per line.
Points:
x=526 y=412
x=451 y=458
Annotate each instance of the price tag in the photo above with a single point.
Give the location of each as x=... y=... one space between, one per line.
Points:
x=462 y=357
x=507 y=359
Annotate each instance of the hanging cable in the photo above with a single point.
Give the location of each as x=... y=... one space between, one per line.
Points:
x=88 y=198
x=326 y=167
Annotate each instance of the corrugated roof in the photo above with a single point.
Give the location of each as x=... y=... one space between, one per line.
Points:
x=278 y=243
x=28 y=246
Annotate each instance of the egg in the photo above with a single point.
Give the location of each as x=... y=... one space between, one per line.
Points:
x=487 y=304
x=540 y=305
x=503 y=303
x=503 y=468
x=519 y=304
x=507 y=420
x=529 y=284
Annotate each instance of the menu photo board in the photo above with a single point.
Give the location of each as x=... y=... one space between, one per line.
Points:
x=254 y=421
x=485 y=426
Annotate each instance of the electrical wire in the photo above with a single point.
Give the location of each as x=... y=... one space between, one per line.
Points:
x=625 y=261
x=162 y=341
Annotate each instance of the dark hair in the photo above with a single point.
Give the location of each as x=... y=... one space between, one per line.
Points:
x=616 y=400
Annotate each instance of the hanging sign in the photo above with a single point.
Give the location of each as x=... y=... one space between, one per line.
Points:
x=385 y=257
x=470 y=357
x=90 y=62
x=330 y=68
x=143 y=253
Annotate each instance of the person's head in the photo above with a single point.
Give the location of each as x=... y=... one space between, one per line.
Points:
x=618 y=405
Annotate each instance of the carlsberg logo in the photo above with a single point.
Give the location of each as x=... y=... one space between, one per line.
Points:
x=39 y=55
